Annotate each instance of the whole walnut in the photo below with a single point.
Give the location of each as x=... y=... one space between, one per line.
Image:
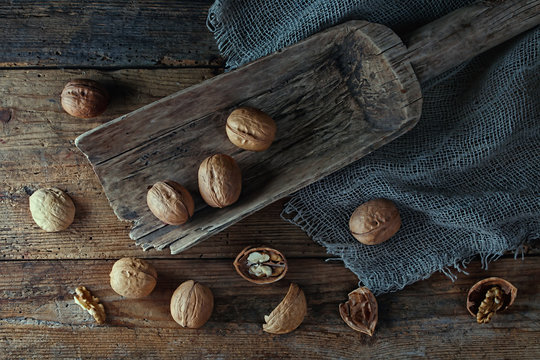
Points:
x=375 y=221
x=133 y=278
x=250 y=129
x=220 y=180
x=170 y=202
x=192 y=304
x=84 y=98
x=52 y=209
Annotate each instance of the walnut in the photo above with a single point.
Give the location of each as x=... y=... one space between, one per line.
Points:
x=84 y=98
x=360 y=312
x=90 y=303
x=133 y=278
x=220 y=180
x=489 y=296
x=170 y=202
x=260 y=265
x=192 y=304
x=52 y=209
x=289 y=314
x=250 y=129
x=375 y=221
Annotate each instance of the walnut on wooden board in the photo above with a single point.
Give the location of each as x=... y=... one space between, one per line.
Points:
x=52 y=209
x=133 y=278
x=170 y=202
x=220 y=180
x=84 y=98
x=250 y=129
x=192 y=304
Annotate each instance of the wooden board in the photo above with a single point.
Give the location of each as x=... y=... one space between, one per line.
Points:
x=37 y=150
x=335 y=97
x=106 y=33
x=39 y=318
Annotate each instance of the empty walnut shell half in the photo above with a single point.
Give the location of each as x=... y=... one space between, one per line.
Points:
x=375 y=221
x=289 y=314
x=250 y=129
x=360 y=312
x=489 y=296
x=84 y=98
x=260 y=265
x=170 y=202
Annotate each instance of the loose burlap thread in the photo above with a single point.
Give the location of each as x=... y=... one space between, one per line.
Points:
x=466 y=179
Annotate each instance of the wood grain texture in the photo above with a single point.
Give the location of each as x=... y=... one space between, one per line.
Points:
x=105 y=33
x=427 y=319
x=37 y=150
x=335 y=97
x=465 y=33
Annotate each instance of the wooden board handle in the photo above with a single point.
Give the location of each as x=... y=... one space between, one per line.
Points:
x=467 y=32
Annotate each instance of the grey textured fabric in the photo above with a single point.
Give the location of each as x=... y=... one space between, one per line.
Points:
x=466 y=179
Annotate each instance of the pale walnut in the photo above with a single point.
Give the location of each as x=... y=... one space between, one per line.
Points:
x=84 y=98
x=360 y=312
x=250 y=129
x=289 y=314
x=133 y=278
x=90 y=303
x=170 y=202
x=220 y=180
x=192 y=304
x=260 y=265
x=489 y=296
x=375 y=221
x=52 y=209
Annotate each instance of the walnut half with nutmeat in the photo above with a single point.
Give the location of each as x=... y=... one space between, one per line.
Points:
x=489 y=296
x=260 y=265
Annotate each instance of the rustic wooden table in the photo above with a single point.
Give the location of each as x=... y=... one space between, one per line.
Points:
x=142 y=51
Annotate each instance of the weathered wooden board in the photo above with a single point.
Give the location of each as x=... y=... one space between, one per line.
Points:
x=37 y=150
x=106 y=33
x=335 y=97
x=427 y=319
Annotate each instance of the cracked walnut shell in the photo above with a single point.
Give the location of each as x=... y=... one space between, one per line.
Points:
x=192 y=304
x=375 y=221
x=289 y=314
x=52 y=209
x=84 y=98
x=170 y=202
x=250 y=129
x=360 y=312
x=133 y=278
x=260 y=265
x=489 y=296
x=220 y=180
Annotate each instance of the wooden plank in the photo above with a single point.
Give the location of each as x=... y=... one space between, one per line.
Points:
x=335 y=97
x=467 y=32
x=36 y=150
x=106 y=33
x=427 y=319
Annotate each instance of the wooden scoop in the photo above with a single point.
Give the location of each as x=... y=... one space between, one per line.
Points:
x=335 y=97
